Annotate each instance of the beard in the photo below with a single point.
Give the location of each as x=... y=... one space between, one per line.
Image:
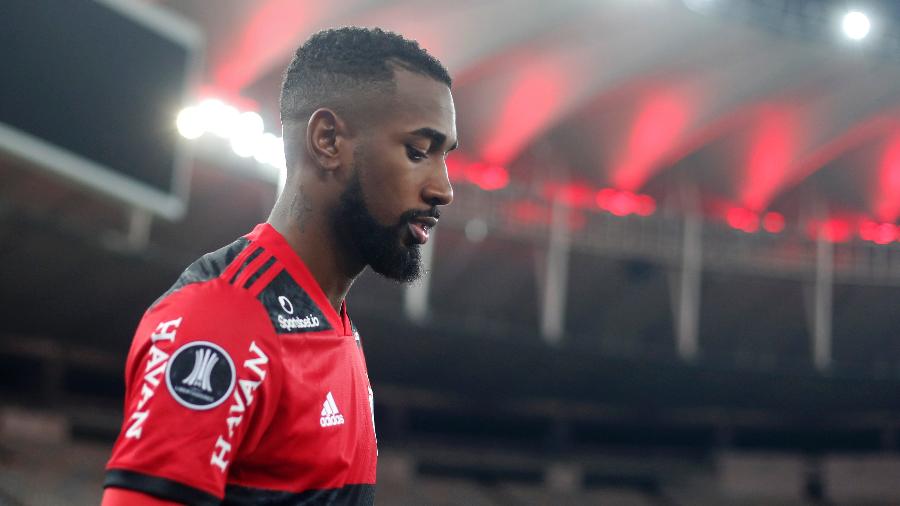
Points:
x=380 y=247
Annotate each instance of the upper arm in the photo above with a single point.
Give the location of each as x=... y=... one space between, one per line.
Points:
x=200 y=392
x=122 y=497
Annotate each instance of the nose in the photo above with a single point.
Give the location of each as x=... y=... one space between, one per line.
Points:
x=438 y=191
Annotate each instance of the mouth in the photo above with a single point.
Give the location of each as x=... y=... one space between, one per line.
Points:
x=420 y=227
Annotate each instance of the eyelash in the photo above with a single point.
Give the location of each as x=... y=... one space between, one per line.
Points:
x=415 y=155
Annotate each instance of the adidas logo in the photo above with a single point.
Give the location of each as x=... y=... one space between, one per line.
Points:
x=330 y=414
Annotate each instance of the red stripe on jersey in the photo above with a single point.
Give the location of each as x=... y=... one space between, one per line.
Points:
x=265 y=279
x=236 y=264
x=269 y=238
x=252 y=267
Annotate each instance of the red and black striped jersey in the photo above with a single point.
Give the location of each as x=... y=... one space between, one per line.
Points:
x=245 y=386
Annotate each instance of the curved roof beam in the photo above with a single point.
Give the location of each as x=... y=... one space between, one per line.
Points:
x=828 y=126
x=272 y=32
x=268 y=37
x=886 y=202
x=540 y=84
x=684 y=114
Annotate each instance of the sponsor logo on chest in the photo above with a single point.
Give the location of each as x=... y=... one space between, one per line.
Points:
x=294 y=322
x=331 y=415
x=297 y=323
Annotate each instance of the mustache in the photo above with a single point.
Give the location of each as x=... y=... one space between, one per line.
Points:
x=412 y=214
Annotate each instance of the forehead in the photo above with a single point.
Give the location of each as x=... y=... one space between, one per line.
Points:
x=420 y=101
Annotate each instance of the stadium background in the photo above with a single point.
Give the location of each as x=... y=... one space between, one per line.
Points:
x=669 y=276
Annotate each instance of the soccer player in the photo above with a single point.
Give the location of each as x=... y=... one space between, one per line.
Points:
x=246 y=382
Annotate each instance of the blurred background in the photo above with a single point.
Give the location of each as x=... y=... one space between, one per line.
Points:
x=669 y=276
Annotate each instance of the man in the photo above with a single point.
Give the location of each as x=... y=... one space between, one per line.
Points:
x=246 y=382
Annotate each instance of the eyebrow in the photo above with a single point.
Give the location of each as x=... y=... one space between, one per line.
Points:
x=437 y=138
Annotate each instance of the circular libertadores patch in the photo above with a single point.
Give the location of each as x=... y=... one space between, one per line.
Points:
x=200 y=375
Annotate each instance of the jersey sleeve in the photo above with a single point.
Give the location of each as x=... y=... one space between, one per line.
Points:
x=202 y=384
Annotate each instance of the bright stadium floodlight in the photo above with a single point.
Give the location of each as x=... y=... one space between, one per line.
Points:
x=190 y=123
x=265 y=148
x=219 y=118
x=856 y=25
x=246 y=135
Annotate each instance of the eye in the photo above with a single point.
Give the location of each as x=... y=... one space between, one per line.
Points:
x=415 y=154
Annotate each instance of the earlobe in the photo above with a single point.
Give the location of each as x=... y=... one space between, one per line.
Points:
x=322 y=138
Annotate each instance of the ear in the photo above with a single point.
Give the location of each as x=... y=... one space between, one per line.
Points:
x=324 y=135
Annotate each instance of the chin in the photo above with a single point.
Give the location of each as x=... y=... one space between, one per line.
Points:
x=404 y=265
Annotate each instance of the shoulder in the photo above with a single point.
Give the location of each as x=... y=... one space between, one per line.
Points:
x=211 y=267
x=238 y=285
x=214 y=300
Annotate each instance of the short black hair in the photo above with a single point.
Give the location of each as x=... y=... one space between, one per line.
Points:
x=336 y=62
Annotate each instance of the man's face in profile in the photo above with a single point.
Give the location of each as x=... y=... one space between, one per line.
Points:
x=399 y=177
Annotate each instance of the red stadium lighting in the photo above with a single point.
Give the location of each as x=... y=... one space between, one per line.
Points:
x=531 y=213
x=456 y=167
x=887 y=203
x=537 y=95
x=773 y=222
x=773 y=143
x=660 y=121
x=868 y=230
x=487 y=177
x=742 y=219
x=735 y=217
x=576 y=195
x=885 y=233
x=604 y=197
x=646 y=205
x=622 y=204
x=879 y=233
x=834 y=230
x=751 y=225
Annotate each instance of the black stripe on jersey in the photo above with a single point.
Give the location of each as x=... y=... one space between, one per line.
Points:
x=159 y=487
x=348 y=495
x=290 y=308
x=259 y=272
x=244 y=265
x=207 y=267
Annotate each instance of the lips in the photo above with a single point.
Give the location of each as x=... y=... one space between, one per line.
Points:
x=420 y=227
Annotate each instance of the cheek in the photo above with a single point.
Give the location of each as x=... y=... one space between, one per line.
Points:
x=382 y=200
x=392 y=190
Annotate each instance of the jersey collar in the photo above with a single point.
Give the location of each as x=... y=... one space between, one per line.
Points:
x=266 y=235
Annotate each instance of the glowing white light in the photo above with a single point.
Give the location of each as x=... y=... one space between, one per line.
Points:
x=190 y=123
x=282 y=179
x=280 y=162
x=250 y=123
x=269 y=149
x=247 y=134
x=476 y=230
x=262 y=148
x=856 y=25
x=219 y=118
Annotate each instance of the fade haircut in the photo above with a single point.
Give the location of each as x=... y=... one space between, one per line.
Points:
x=335 y=64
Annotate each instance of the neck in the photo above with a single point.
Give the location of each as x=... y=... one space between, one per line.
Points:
x=310 y=236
